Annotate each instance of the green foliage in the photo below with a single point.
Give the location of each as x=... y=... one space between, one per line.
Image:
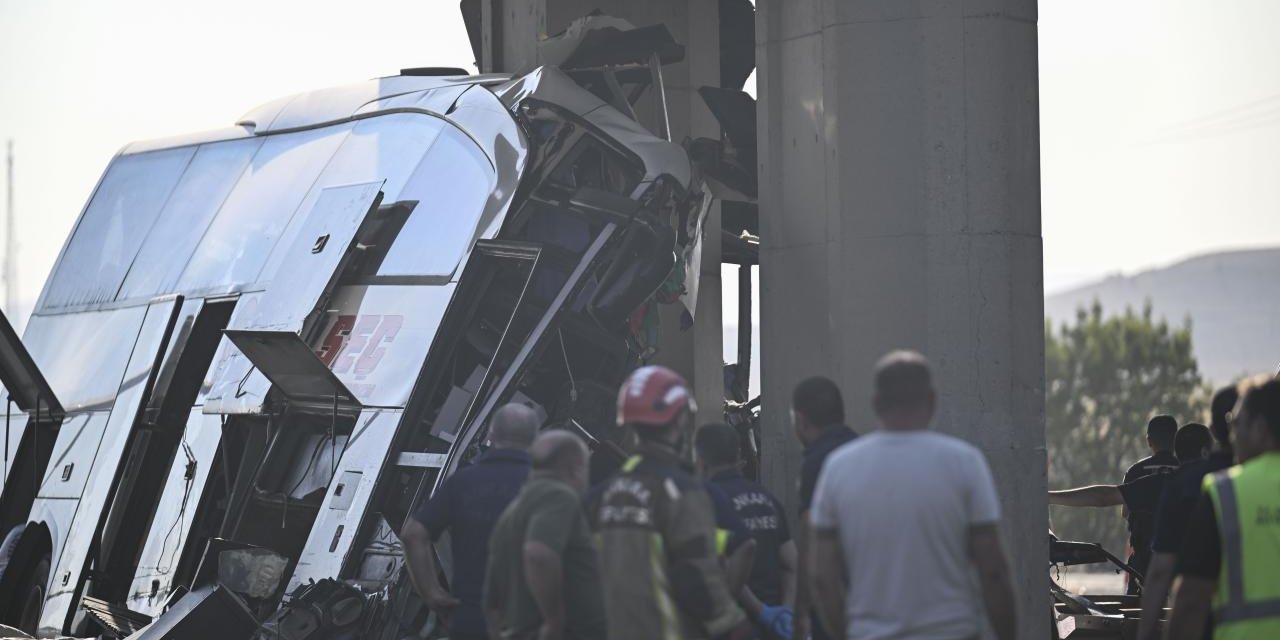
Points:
x=1105 y=377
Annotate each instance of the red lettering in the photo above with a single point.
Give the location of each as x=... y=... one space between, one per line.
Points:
x=364 y=327
x=373 y=352
x=335 y=339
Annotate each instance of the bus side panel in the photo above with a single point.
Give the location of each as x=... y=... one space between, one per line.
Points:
x=348 y=495
x=378 y=336
x=171 y=527
x=73 y=551
x=73 y=454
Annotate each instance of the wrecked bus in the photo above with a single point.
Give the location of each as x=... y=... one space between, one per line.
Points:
x=260 y=346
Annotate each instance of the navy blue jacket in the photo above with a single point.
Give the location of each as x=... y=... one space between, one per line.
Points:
x=766 y=521
x=468 y=505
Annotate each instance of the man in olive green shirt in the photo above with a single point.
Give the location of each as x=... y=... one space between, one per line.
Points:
x=543 y=578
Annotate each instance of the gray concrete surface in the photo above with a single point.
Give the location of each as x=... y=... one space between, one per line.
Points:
x=899 y=205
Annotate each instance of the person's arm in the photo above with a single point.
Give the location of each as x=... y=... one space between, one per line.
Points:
x=544 y=577
x=697 y=580
x=1098 y=495
x=1155 y=593
x=988 y=557
x=1197 y=569
x=546 y=536
x=737 y=566
x=750 y=603
x=827 y=579
x=420 y=560
x=982 y=509
x=733 y=540
x=1190 y=612
x=787 y=573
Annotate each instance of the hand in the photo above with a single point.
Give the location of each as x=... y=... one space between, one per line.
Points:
x=779 y=620
x=442 y=602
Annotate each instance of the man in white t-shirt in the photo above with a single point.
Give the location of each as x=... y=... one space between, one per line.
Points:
x=903 y=525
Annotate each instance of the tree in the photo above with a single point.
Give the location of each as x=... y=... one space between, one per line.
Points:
x=1105 y=377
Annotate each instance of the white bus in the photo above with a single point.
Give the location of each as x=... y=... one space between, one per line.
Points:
x=261 y=346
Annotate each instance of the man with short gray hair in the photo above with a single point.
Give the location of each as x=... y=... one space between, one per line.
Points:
x=543 y=579
x=467 y=505
x=901 y=519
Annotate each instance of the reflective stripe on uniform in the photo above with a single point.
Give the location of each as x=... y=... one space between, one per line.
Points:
x=1243 y=606
x=661 y=589
x=630 y=464
x=1232 y=553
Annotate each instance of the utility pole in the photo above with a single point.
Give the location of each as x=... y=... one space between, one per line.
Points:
x=10 y=244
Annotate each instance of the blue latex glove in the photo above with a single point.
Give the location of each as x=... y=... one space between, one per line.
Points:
x=778 y=619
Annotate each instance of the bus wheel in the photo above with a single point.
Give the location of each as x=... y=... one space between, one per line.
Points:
x=32 y=596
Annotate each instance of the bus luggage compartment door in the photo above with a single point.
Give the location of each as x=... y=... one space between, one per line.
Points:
x=73 y=550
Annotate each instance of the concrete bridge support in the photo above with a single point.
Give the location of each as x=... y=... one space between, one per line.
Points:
x=900 y=208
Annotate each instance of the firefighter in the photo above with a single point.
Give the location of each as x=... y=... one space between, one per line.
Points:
x=655 y=528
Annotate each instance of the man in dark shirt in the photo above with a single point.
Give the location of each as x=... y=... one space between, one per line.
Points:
x=1160 y=435
x=543 y=578
x=770 y=592
x=1178 y=502
x=817 y=411
x=467 y=505
x=734 y=544
x=1141 y=496
x=1161 y=431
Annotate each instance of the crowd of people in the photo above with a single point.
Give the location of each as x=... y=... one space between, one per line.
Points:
x=896 y=536
x=675 y=543
x=1204 y=519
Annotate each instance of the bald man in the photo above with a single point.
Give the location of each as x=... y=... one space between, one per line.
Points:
x=467 y=505
x=543 y=579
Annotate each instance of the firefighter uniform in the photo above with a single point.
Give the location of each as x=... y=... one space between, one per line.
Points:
x=1246 y=503
x=657 y=543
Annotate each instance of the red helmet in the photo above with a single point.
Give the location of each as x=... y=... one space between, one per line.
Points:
x=653 y=396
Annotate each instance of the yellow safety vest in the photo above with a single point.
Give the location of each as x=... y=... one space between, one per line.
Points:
x=1246 y=501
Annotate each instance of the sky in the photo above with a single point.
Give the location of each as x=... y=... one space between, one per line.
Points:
x=1160 y=119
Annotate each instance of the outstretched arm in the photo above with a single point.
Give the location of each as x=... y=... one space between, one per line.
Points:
x=1098 y=495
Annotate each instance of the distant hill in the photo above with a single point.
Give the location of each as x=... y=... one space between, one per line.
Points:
x=1231 y=297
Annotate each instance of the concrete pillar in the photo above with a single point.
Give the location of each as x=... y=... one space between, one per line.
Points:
x=900 y=208
x=510 y=39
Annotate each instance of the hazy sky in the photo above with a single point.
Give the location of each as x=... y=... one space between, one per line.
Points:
x=1160 y=119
